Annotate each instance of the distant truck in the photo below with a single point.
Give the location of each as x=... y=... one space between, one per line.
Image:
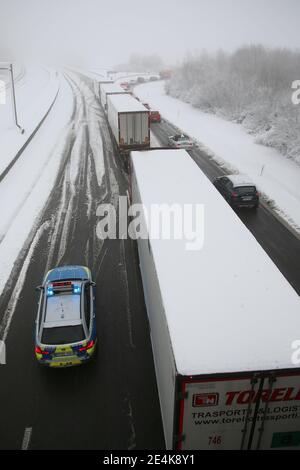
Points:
x=223 y=320
x=129 y=122
x=98 y=83
x=107 y=89
x=165 y=74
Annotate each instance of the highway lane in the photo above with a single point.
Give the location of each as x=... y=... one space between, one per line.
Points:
x=276 y=239
x=111 y=403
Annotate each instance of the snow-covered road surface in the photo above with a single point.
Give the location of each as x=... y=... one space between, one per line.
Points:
x=25 y=189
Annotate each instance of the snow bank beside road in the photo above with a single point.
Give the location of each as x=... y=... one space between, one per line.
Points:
x=35 y=93
x=276 y=176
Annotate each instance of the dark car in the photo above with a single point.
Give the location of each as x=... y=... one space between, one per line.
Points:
x=238 y=191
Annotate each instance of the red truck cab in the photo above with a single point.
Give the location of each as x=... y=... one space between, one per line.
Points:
x=155 y=116
x=125 y=86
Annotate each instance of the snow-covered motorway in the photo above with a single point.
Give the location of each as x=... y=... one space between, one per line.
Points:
x=111 y=403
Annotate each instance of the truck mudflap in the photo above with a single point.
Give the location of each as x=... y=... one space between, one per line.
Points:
x=257 y=411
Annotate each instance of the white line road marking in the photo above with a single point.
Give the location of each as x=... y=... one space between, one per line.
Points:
x=26 y=438
x=2 y=352
x=126 y=287
x=6 y=321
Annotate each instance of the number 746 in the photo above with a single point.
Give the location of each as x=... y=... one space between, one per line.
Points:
x=214 y=440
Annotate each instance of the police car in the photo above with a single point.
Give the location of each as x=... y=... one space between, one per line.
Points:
x=66 y=324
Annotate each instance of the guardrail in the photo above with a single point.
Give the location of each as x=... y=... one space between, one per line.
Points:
x=26 y=143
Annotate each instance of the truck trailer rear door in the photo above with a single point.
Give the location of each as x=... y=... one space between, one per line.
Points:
x=278 y=420
x=260 y=411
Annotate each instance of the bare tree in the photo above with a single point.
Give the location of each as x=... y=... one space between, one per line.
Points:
x=251 y=86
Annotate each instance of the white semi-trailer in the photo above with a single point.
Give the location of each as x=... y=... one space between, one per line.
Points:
x=225 y=323
x=129 y=122
x=107 y=89
x=98 y=83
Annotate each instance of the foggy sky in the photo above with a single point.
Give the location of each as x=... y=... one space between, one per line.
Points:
x=105 y=32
